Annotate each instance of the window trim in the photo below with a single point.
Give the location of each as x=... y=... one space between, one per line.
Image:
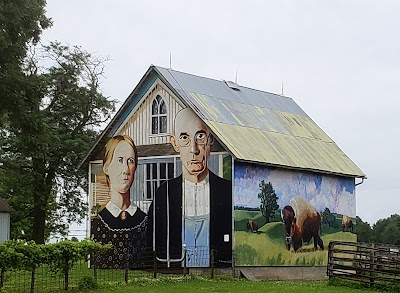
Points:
x=158 y=116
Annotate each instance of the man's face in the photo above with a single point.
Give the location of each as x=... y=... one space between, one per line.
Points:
x=122 y=167
x=192 y=140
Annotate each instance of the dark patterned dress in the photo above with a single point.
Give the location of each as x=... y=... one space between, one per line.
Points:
x=127 y=235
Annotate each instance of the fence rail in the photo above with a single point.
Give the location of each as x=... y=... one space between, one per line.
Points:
x=20 y=280
x=375 y=264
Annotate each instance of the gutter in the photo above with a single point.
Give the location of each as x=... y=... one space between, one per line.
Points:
x=362 y=181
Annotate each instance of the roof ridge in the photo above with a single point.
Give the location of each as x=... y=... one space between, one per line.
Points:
x=222 y=80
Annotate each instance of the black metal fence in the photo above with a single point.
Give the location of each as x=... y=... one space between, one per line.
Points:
x=374 y=264
x=130 y=269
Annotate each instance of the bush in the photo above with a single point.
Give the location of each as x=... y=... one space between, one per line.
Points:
x=87 y=282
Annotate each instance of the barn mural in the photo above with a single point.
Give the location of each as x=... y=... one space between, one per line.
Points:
x=287 y=217
x=192 y=212
x=189 y=214
x=120 y=221
x=172 y=177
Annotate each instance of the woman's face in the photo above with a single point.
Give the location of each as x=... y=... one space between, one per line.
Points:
x=121 y=170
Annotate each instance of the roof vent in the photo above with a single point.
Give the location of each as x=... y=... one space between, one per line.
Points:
x=232 y=85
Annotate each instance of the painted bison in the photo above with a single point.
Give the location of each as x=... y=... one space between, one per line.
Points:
x=302 y=222
x=347 y=224
x=252 y=226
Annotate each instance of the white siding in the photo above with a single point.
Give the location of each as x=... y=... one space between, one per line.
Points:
x=4 y=227
x=138 y=124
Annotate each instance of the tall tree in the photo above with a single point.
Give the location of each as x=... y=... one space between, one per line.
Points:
x=42 y=145
x=363 y=231
x=21 y=24
x=269 y=200
x=387 y=230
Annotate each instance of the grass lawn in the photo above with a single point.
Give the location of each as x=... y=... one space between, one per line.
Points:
x=198 y=284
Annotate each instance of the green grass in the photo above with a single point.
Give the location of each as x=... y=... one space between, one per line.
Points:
x=198 y=284
x=145 y=283
x=46 y=281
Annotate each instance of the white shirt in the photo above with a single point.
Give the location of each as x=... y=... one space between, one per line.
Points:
x=196 y=198
x=115 y=210
x=196 y=222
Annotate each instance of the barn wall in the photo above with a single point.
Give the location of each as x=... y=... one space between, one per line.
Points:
x=332 y=197
x=4 y=227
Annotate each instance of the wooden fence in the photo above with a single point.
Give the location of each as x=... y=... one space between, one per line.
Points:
x=376 y=264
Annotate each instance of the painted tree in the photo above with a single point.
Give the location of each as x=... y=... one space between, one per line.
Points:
x=328 y=218
x=46 y=134
x=269 y=200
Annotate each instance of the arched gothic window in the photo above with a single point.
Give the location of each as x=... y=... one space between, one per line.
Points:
x=158 y=116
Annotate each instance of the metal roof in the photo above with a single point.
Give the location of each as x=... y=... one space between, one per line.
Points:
x=260 y=127
x=253 y=125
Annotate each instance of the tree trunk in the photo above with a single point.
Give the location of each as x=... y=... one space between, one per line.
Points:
x=1 y=278
x=267 y=217
x=42 y=191
x=39 y=221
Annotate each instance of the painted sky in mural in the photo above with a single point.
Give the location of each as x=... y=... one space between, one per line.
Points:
x=335 y=193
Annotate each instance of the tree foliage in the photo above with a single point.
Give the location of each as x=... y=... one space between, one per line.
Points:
x=60 y=257
x=363 y=231
x=269 y=200
x=45 y=136
x=21 y=23
x=387 y=230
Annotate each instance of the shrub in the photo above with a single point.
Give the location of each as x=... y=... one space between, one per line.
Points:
x=87 y=282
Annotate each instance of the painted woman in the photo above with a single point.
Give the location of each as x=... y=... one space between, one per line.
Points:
x=120 y=222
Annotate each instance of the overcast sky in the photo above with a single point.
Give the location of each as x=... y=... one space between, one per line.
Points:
x=339 y=60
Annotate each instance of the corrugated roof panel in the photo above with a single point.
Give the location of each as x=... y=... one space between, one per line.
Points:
x=218 y=89
x=255 y=145
x=261 y=127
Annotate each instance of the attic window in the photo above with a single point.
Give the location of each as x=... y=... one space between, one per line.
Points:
x=158 y=116
x=232 y=85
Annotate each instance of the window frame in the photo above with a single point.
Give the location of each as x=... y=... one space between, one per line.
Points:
x=158 y=116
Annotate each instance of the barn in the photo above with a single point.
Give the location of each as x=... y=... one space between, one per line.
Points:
x=5 y=211
x=201 y=161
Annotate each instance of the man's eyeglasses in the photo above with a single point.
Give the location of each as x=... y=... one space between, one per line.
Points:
x=201 y=138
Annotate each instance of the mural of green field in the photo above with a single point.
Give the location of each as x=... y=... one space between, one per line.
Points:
x=267 y=247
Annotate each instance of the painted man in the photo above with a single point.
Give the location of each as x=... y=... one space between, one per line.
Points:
x=194 y=210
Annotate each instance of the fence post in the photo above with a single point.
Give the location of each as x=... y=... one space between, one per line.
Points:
x=233 y=264
x=66 y=279
x=372 y=272
x=126 y=276
x=154 y=264
x=185 y=271
x=329 y=271
x=33 y=280
x=212 y=262
x=94 y=266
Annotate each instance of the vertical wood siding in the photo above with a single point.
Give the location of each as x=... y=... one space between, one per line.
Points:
x=138 y=126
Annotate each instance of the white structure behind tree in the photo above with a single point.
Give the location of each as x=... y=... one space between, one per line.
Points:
x=5 y=211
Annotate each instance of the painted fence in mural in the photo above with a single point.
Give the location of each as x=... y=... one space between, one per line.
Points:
x=286 y=218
